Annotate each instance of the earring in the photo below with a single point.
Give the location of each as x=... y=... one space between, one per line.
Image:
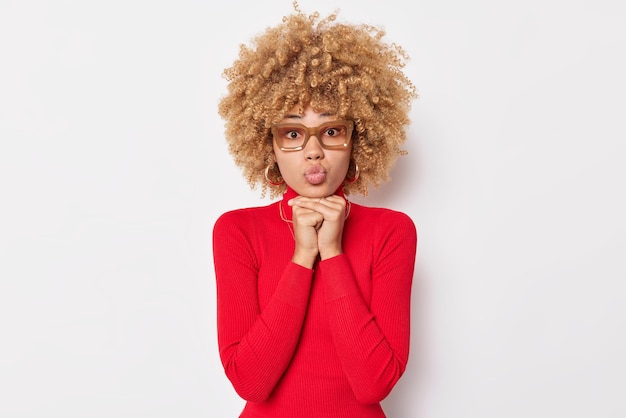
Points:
x=267 y=177
x=356 y=174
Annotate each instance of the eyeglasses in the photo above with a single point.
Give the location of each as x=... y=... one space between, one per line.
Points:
x=335 y=134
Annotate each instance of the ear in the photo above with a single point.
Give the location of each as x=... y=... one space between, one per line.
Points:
x=272 y=155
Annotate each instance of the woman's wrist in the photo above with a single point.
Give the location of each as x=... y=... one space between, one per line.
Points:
x=304 y=259
x=330 y=253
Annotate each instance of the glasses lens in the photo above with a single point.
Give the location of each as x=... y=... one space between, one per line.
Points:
x=334 y=133
x=289 y=136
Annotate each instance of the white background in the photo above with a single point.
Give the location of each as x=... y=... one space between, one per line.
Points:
x=113 y=169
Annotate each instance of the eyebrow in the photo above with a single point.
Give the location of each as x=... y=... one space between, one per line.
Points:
x=297 y=116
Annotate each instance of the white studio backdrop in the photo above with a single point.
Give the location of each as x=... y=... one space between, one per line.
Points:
x=113 y=169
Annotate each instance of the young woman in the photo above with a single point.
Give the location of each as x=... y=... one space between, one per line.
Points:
x=313 y=290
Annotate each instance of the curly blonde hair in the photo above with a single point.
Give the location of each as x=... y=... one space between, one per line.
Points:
x=343 y=69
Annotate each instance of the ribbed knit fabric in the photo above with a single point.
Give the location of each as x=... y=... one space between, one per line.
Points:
x=321 y=343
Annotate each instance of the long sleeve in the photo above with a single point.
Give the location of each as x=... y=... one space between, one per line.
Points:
x=371 y=336
x=256 y=345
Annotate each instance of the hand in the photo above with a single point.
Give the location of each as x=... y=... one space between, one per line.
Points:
x=329 y=231
x=306 y=223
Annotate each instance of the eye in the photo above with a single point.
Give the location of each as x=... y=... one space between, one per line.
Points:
x=290 y=133
x=335 y=131
x=332 y=132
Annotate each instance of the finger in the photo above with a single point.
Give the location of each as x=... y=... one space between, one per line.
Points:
x=306 y=217
x=333 y=200
x=301 y=199
x=310 y=203
x=332 y=207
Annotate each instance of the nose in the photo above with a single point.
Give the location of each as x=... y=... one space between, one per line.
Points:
x=313 y=149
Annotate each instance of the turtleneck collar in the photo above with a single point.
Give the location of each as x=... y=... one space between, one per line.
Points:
x=290 y=194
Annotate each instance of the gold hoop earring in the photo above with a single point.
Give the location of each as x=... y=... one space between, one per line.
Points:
x=356 y=174
x=267 y=177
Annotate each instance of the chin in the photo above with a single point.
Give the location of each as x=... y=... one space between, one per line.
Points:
x=316 y=190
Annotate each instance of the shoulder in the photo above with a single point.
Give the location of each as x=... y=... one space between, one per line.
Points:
x=385 y=217
x=243 y=217
x=386 y=231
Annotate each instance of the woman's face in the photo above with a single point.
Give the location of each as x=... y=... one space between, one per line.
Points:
x=313 y=171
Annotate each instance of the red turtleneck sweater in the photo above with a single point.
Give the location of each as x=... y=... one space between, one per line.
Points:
x=320 y=343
